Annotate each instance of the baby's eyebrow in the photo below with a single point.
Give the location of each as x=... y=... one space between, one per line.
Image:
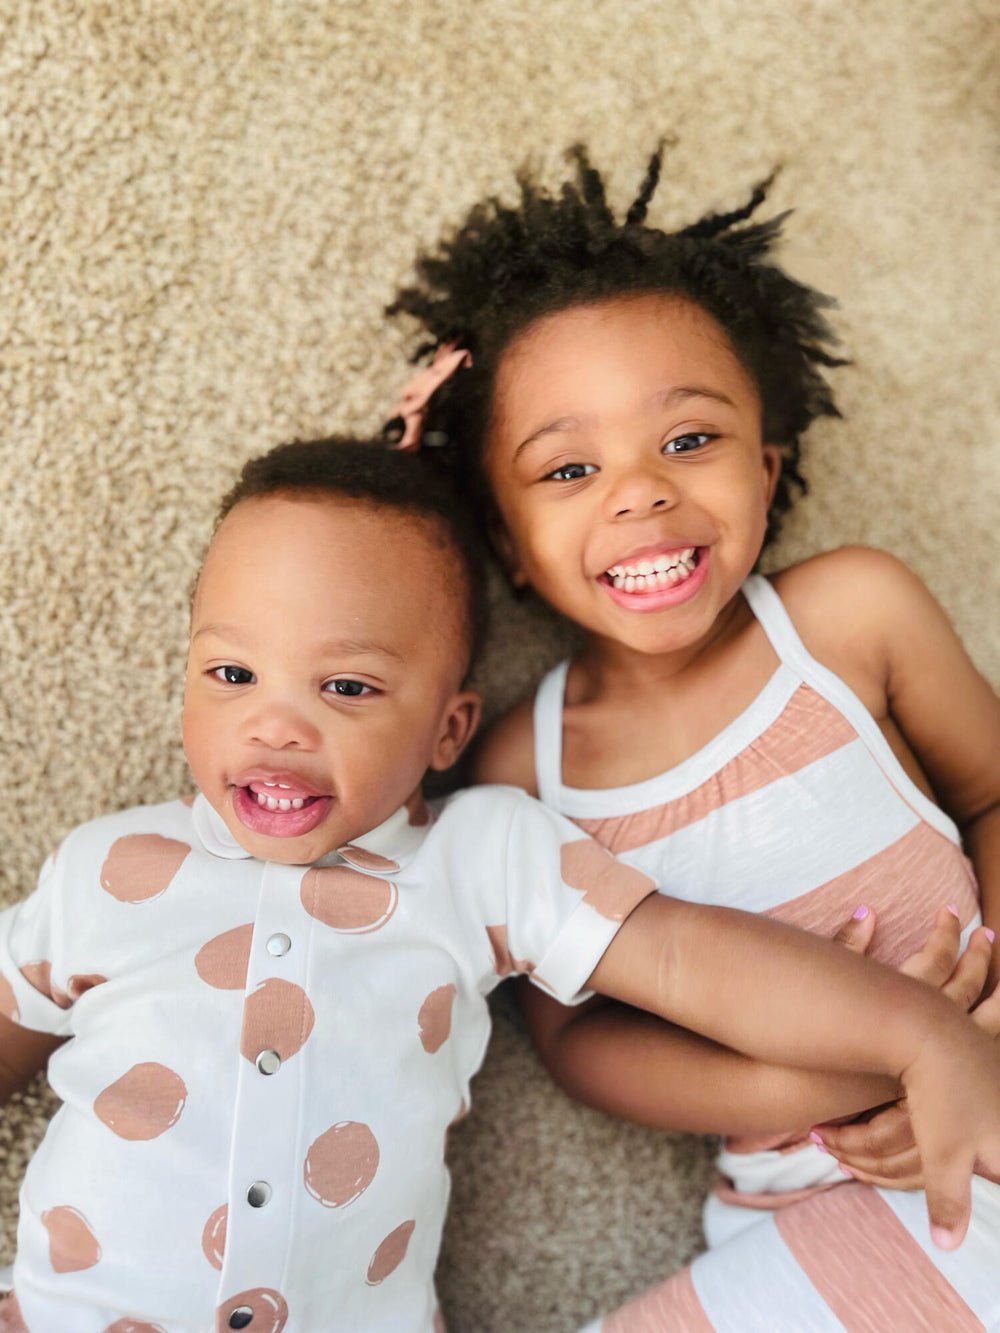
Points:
x=353 y=647
x=560 y=424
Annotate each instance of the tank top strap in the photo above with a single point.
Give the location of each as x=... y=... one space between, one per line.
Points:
x=776 y=623
x=548 y=724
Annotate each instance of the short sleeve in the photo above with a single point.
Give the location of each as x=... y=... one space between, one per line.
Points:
x=28 y=938
x=567 y=897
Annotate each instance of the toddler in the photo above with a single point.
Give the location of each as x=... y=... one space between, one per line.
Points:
x=625 y=405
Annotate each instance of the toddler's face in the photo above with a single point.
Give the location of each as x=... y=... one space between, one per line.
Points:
x=323 y=671
x=628 y=466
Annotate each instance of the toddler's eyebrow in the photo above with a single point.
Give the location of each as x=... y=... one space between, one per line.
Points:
x=677 y=393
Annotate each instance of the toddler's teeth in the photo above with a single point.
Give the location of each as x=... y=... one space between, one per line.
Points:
x=630 y=584
x=272 y=804
x=645 y=567
x=297 y=803
x=284 y=805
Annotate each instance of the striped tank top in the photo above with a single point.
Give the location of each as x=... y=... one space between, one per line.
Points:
x=798 y=809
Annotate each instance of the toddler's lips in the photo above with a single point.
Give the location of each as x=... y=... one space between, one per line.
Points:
x=278 y=815
x=657 y=582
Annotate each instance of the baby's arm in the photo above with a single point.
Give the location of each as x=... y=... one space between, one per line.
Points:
x=786 y=995
x=634 y=1065
x=22 y=1054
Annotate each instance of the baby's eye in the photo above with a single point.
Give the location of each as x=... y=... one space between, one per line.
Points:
x=233 y=675
x=684 y=444
x=571 y=472
x=348 y=689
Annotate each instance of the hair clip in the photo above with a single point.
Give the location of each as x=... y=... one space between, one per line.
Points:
x=403 y=429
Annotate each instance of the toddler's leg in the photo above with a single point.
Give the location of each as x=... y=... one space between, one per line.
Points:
x=848 y=1259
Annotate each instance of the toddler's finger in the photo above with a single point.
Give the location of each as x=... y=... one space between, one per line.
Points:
x=987 y=1014
x=885 y=1135
x=935 y=962
x=965 y=985
x=856 y=933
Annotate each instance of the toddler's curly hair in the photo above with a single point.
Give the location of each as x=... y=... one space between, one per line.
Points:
x=505 y=267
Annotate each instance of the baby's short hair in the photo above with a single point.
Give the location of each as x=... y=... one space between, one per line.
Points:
x=384 y=478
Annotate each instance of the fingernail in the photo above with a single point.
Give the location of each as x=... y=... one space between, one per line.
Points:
x=953 y=909
x=860 y=914
x=943 y=1239
x=818 y=1141
x=990 y=934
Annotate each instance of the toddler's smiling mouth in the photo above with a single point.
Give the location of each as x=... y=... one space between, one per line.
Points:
x=653 y=572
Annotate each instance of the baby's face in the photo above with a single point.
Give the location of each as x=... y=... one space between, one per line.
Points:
x=323 y=671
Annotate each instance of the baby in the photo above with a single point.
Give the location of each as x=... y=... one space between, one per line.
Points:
x=263 y=1007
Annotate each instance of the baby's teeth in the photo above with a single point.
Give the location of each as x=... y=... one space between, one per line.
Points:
x=284 y=805
x=272 y=804
x=297 y=803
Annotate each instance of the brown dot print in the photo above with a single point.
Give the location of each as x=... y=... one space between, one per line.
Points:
x=346 y=900
x=270 y=1313
x=79 y=983
x=11 y=1318
x=434 y=1018
x=417 y=810
x=365 y=860
x=213 y=1238
x=133 y=1326
x=341 y=1164
x=503 y=963
x=390 y=1254
x=224 y=961
x=141 y=865
x=39 y=975
x=72 y=1244
x=8 y=1001
x=611 y=888
x=143 y=1103
x=277 y=1016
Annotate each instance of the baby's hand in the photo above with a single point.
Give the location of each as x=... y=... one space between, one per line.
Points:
x=879 y=1147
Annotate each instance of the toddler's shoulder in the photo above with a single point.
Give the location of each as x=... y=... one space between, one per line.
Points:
x=506 y=752
x=853 y=586
x=168 y=820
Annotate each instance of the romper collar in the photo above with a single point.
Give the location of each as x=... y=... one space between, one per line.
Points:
x=382 y=851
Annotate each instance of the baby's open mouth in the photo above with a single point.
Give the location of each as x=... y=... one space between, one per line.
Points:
x=658 y=571
x=278 y=796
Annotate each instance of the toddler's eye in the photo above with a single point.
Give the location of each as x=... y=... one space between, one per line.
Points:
x=348 y=689
x=571 y=472
x=233 y=675
x=684 y=444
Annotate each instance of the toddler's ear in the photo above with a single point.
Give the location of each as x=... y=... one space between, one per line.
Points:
x=503 y=544
x=459 y=720
x=772 y=471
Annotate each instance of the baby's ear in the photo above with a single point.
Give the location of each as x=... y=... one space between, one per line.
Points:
x=459 y=720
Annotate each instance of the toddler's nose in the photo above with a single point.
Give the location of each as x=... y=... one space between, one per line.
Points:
x=641 y=490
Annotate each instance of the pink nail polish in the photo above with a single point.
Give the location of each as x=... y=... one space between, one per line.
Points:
x=818 y=1141
x=860 y=914
x=843 y=1169
x=953 y=909
x=990 y=934
x=943 y=1239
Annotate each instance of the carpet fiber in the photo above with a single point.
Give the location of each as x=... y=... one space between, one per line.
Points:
x=204 y=210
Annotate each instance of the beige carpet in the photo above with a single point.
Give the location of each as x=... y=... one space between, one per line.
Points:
x=203 y=210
